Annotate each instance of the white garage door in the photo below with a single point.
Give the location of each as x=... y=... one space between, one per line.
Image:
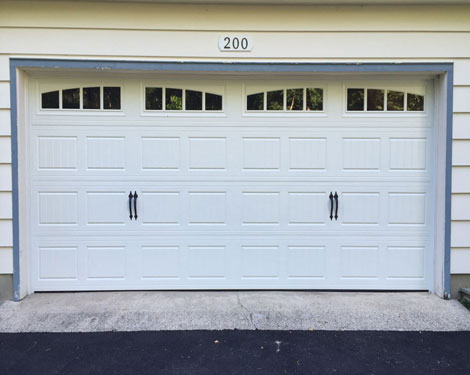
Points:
x=206 y=183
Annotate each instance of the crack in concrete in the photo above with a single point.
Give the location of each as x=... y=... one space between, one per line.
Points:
x=250 y=314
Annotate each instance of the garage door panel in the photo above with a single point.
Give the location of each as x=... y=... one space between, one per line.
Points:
x=286 y=153
x=230 y=199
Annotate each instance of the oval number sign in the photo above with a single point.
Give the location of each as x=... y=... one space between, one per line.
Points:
x=235 y=43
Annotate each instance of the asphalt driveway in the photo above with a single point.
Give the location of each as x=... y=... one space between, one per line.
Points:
x=235 y=352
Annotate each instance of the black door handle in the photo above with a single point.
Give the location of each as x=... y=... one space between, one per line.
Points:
x=130 y=204
x=337 y=204
x=331 y=205
x=135 y=205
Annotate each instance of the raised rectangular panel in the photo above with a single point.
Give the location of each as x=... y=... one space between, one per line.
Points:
x=58 y=208
x=405 y=262
x=5 y=125
x=5 y=150
x=407 y=154
x=207 y=153
x=461 y=126
x=460 y=179
x=106 y=152
x=161 y=207
x=459 y=234
x=460 y=207
x=106 y=262
x=407 y=208
x=359 y=261
x=260 y=207
x=207 y=207
x=361 y=154
x=6 y=260
x=461 y=99
x=460 y=261
x=306 y=262
x=307 y=153
x=6 y=205
x=58 y=262
x=105 y=207
x=160 y=262
x=160 y=153
x=57 y=152
x=307 y=207
x=206 y=262
x=260 y=261
x=261 y=153
x=461 y=153
x=359 y=208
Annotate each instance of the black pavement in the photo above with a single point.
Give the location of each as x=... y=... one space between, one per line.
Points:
x=236 y=352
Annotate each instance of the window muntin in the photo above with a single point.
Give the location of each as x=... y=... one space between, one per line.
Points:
x=286 y=100
x=383 y=100
x=83 y=98
x=179 y=99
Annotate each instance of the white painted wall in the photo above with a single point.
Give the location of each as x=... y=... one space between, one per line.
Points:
x=190 y=32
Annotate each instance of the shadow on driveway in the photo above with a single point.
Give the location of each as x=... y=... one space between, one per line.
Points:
x=235 y=352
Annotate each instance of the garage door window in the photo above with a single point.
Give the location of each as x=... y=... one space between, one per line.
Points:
x=286 y=100
x=83 y=98
x=380 y=100
x=181 y=100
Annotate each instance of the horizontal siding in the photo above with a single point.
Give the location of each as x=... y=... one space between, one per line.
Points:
x=5 y=150
x=462 y=99
x=460 y=234
x=4 y=95
x=461 y=126
x=233 y=17
x=461 y=179
x=461 y=207
x=5 y=177
x=6 y=233
x=5 y=205
x=5 y=123
x=6 y=260
x=203 y=45
x=460 y=261
x=461 y=153
x=462 y=72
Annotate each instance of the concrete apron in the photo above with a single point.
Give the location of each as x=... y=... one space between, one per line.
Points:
x=138 y=311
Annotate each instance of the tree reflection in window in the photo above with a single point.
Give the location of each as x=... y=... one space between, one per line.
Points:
x=395 y=100
x=355 y=99
x=314 y=100
x=414 y=102
x=275 y=100
x=255 y=102
x=295 y=99
x=174 y=99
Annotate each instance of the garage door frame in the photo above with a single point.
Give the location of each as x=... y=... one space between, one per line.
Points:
x=443 y=103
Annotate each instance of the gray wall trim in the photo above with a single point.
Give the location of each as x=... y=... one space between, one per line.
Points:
x=448 y=192
x=106 y=65
x=14 y=181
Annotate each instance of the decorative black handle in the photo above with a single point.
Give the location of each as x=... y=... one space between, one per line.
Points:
x=130 y=204
x=331 y=205
x=336 y=201
x=135 y=205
